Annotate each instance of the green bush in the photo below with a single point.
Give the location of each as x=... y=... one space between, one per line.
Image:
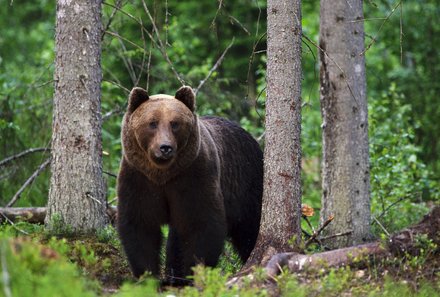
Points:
x=400 y=181
x=31 y=270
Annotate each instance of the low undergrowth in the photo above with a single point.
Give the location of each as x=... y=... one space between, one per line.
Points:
x=34 y=264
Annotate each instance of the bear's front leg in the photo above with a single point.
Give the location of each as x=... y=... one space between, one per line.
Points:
x=142 y=247
x=140 y=215
x=174 y=274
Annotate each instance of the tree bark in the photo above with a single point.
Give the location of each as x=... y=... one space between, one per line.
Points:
x=345 y=166
x=280 y=222
x=77 y=191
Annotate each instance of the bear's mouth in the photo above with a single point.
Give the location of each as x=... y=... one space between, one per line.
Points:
x=162 y=160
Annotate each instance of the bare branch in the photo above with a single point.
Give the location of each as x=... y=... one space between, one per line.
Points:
x=125 y=39
x=235 y=20
x=381 y=226
x=118 y=85
x=112 y=201
x=28 y=182
x=158 y=43
x=118 y=110
x=110 y=19
x=336 y=235
x=22 y=154
x=317 y=232
x=216 y=65
x=337 y=65
x=162 y=48
x=13 y=225
x=401 y=33
x=144 y=54
x=385 y=210
x=220 y=4
x=167 y=23
x=381 y=27
x=110 y=174
x=127 y=61
x=148 y=70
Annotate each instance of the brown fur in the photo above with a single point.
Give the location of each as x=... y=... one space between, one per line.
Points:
x=207 y=186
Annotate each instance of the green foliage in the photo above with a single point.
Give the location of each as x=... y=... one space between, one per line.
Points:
x=400 y=181
x=210 y=282
x=108 y=234
x=26 y=64
x=34 y=270
x=58 y=227
x=146 y=287
x=410 y=60
x=391 y=288
x=230 y=261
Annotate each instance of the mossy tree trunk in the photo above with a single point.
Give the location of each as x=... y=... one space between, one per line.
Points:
x=345 y=167
x=280 y=222
x=77 y=191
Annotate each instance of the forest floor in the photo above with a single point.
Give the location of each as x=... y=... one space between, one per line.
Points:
x=96 y=266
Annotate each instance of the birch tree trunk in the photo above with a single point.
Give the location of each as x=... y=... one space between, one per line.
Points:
x=345 y=168
x=77 y=191
x=280 y=222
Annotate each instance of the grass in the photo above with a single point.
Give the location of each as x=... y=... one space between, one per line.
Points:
x=40 y=265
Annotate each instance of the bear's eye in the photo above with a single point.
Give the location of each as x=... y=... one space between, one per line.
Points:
x=174 y=125
x=152 y=125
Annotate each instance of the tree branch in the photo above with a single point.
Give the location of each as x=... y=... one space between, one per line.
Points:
x=22 y=154
x=34 y=215
x=28 y=182
x=216 y=65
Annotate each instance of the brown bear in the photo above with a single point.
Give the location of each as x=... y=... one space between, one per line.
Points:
x=201 y=176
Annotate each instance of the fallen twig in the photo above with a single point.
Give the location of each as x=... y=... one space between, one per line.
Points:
x=403 y=243
x=35 y=215
x=28 y=214
x=335 y=258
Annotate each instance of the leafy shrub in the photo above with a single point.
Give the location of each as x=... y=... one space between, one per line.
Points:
x=400 y=181
x=31 y=269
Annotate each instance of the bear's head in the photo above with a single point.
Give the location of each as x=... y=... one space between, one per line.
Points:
x=160 y=132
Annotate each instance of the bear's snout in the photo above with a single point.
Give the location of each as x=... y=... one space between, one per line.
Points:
x=163 y=154
x=166 y=150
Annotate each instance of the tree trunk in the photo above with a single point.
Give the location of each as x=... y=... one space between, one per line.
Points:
x=345 y=168
x=77 y=191
x=280 y=222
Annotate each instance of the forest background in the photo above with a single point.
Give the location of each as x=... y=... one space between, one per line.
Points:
x=402 y=65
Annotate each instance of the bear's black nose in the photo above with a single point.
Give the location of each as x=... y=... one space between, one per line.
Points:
x=166 y=150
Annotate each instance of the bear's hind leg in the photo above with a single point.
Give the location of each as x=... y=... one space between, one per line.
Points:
x=243 y=239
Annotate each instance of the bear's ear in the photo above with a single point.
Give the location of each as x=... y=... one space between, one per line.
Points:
x=137 y=97
x=187 y=96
